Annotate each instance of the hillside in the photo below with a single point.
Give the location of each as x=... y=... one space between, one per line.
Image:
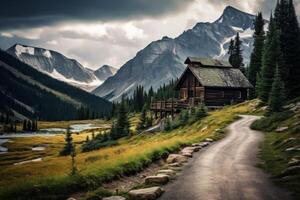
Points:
x=57 y=66
x=28 y=93
x=127 y=157
x=280 y=152
x=163 y=60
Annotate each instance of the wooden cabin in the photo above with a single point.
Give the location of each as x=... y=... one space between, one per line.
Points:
x=212 y=82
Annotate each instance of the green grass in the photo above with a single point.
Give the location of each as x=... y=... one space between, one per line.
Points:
x=50 y=178
x=273 y=152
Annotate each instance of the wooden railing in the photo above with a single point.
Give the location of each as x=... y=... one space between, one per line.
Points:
x=173 y=104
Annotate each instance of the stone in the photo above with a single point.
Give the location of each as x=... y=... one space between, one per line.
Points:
x=204 y=144
x=290 y=171
x=114 y=198
x=71 y=198
x=158 y=179
x=176 y=158
x=281 y=129
x=296 y=148
x=294 y=162
x=151 y=193
x=187 y=154
x=174 y=165
x=209 y=140
x=168 y=172
x=204 y=129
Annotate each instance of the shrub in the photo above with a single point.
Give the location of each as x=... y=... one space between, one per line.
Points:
x=270 y=123
x=98 y=194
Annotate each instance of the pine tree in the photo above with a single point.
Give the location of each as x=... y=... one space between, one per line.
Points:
x=73 y=163
x=258 y=85
x=231 y=51
x=287 y=23
x=122 y=126
x=256 y=56
x=277 y=94
x=236 y=56
x=271 y=58
x=68 y=148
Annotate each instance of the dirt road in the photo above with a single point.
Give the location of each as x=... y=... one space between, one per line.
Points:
x=226 y=170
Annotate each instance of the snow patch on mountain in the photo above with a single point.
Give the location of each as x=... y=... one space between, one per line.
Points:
x=47 y=53
x=22 y=49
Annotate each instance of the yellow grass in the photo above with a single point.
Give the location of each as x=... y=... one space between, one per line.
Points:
x=102 y=161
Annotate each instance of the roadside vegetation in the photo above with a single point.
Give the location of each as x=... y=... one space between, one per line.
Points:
x=280 y=151
x=50 y=178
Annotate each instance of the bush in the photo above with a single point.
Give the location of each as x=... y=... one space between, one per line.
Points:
x=270 y=123
x=97 y=144
x=98 y=194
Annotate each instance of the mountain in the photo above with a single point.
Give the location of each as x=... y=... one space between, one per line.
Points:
x=105 y=72
x=163 y=60
x=27 y=93
x=56 y=65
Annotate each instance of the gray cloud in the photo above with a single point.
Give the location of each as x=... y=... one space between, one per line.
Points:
x=33 y=13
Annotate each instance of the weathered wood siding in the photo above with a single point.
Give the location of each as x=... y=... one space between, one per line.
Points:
x=224 y=96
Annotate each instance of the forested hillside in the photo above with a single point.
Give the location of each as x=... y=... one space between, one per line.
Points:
x=26 y=92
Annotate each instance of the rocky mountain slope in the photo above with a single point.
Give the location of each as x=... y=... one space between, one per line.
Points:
x=57 y=66
x=105 y=72
x=27 y=93
x=162 y=60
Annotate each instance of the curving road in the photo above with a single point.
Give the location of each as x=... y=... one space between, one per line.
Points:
x=226 y=170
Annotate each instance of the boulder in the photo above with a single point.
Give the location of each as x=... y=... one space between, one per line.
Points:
x=174 y=164
x=296 y=148
x=187 y=154
x=290 y=171
x=158 y=179
x=71 y=198
x=168 y=172
x=209 y=140
x=151 y=193
x=114 y=198
x=176 y=158
x=294 y=162
x=204 y=144
x=281 y=129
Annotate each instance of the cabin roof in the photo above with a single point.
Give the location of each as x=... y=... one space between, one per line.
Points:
x=215 y=73
x=220 y=77
x=209 y=62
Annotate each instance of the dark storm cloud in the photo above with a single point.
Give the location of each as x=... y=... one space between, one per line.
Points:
x=16 y=14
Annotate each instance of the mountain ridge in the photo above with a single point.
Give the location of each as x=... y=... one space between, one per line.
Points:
x=162 y=60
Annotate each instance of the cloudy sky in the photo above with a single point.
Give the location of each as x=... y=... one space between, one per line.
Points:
x=97 y=32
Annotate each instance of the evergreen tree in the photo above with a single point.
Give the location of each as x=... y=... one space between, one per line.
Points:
x=287 y=23
x=231 y=51
x=68 y=148
x=258 y=85
x=277 y=94
x=256 y=55
x=122 y=126
x=271 y=58
x=73 y=163
x=236 y=59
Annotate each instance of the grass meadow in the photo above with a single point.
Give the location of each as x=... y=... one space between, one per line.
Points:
x=50 y=179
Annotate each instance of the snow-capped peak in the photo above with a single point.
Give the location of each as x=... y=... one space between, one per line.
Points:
x=23 y=49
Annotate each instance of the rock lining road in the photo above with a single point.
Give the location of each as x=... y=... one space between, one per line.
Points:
x=227 y=170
